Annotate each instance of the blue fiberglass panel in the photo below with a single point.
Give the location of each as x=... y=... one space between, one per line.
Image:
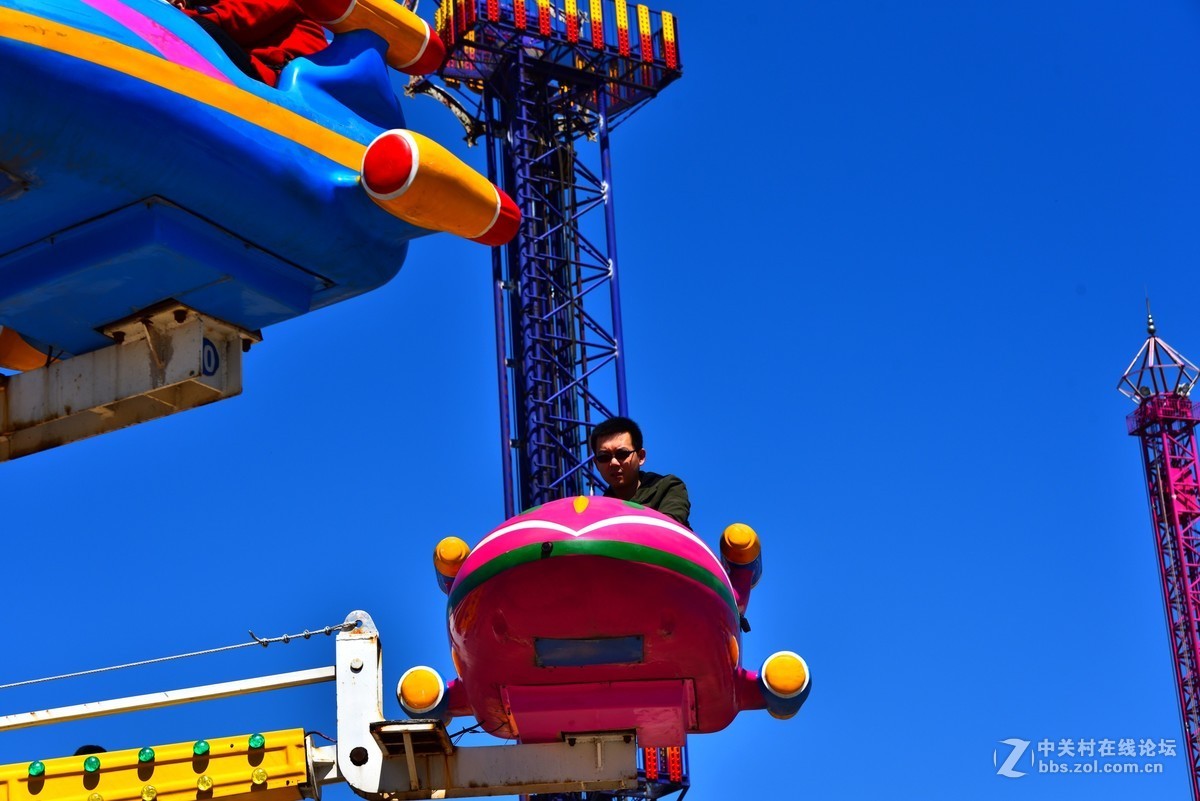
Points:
x=265 y=228
x=61 y=290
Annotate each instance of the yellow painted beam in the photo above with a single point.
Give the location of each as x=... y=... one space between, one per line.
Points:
x=229 y=769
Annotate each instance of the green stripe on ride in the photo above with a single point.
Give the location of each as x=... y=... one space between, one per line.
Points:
x=626 y=551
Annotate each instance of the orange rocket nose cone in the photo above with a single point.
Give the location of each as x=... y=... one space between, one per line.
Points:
x=412 y=177
x=389 y=165
x=508 y=220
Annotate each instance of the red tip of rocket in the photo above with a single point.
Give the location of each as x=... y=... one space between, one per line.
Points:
x=506 y=224
x=431 y=59
x=388 y=165
x=325 y=11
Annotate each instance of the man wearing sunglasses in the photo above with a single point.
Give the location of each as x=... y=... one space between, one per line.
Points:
x=619 y=456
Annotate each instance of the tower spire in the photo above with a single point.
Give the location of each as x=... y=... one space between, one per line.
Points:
x=1157 y=369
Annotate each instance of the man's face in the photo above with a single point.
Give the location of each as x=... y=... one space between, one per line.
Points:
x=619 y=473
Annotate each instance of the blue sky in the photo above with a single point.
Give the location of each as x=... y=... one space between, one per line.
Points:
x=882 y=265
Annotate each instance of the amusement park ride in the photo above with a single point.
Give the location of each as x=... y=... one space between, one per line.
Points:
x=142 y=252
x=1160 y=381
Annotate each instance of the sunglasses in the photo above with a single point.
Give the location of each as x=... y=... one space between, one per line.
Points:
x=621 y=454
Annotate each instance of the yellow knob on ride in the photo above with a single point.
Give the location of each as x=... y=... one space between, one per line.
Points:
x=204 y=783
x=259 y=776
x=785 y=673
x=449 y=555
x=739 y=544
x=420 y=689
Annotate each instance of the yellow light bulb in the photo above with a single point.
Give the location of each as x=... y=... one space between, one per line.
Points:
x=785 y=674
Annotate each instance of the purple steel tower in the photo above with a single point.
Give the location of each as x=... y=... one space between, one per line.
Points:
x=539 y=80
x=1159 y=380
x=544 y=82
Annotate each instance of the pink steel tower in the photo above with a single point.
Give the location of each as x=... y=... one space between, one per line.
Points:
x=1159 y=380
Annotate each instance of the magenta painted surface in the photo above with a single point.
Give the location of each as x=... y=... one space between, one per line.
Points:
x=457 y=700
x=741 y=578
x=158 y=36
x=689 y=680
x=749 y=691
x=602 y=519
x=661 y=711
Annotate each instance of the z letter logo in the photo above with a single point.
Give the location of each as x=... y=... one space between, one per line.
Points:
x=1018 y=750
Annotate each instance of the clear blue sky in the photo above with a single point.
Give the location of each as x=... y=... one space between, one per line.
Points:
x=883 y=264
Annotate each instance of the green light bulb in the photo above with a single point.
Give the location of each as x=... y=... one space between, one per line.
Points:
x=91 y=764
x=146 y=755
x=257 y=741
x=37 y=769
x=200 y=748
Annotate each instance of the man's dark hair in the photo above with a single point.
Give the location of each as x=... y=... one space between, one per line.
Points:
x=617 y=425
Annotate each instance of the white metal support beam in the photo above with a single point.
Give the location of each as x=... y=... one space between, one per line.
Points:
x=135 y=703
x=359 y=664
x=163 y=361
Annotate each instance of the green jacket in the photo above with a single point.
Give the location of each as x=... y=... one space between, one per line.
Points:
x=666 y=494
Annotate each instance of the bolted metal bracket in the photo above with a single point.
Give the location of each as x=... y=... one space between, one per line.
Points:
x=164 y=360
x=386 y=760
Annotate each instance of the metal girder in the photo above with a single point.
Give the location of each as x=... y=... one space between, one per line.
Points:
x=1160 y=380
x=163 y=361
x=589 y=763
x=546 y=79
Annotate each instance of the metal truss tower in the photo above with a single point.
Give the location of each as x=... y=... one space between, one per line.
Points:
x=544 y=82
x=1160 y=381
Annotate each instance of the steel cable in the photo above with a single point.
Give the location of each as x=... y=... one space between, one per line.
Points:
x=255 y=640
